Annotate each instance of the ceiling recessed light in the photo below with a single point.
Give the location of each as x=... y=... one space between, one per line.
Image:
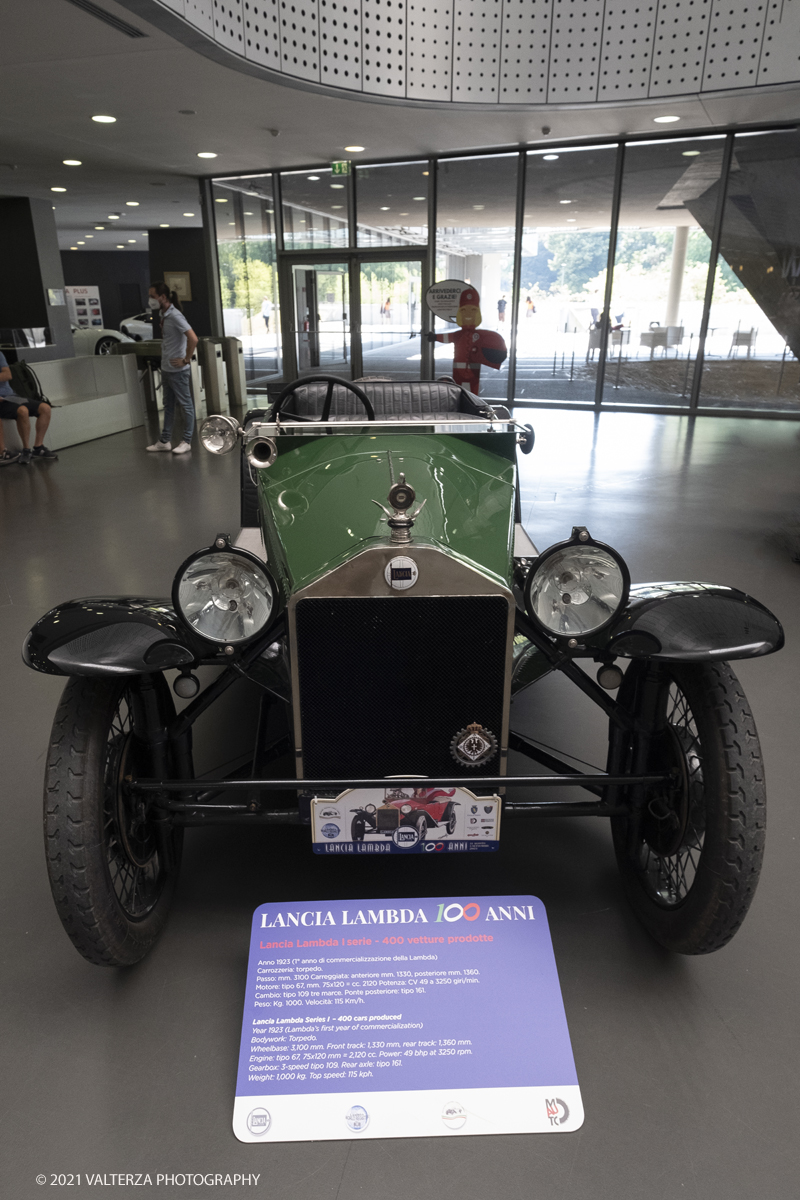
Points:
x=88 y=235
x=231 y=222
x=58 y=189
x=131 y=240
x=665 y=120
x=565 y=202
x=384 y=208
x=478 y=207
x=105 y=120
x=354 y=149
x=113 y=216
x=549 y=157
x=100 y=227
x=188 y=214
x=403 y=214
x=248 y=214
x=312 y=178
x=71 y=162
x=426 y=172
x=419 y=197
x=690 y=153
x=120 y=246
x=337 y=206
x=163 y=227
x=81 y=243
x=206 y=154
x=337 y=186
x=220 y=200
x=73 y=247
x=571 y=220
x=132 y=203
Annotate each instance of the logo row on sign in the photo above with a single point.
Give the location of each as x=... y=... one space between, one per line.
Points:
x=454 y=1116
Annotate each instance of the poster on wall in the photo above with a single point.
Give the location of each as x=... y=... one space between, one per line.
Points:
x=83 y=305
x=438 y=1017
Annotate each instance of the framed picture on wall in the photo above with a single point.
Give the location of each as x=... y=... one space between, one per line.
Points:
x=180 y=282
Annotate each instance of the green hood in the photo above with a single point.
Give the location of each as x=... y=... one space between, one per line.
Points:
x=317 y=510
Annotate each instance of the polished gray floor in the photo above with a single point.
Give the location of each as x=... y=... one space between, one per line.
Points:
x=688 y=1067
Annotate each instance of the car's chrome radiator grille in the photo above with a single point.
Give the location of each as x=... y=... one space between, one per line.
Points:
x=384 y=684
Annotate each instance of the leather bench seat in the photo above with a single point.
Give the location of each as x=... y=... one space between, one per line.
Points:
x=420 y=400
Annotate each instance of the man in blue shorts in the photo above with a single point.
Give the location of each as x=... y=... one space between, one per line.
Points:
x=15 y=408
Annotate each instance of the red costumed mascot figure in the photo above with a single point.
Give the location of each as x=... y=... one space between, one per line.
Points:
x=473 y=348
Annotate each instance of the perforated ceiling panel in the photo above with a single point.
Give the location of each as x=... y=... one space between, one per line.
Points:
x=575 y=50
x=525 y=51
x=734 y=44
x=340 y=42
x=679 y=49
x=262 y=32
x=477 y=29
x=429 y=42
x=628 y=32
x=384 y=46
x=201 y=14
x=229 y=24
x=300 y=38
x=780 y=50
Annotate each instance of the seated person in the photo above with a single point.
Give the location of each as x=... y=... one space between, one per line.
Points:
x=15 y=408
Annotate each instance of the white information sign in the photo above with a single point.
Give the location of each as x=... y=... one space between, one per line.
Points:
x=84 y=307
x=442 y=298
x=438 y=1017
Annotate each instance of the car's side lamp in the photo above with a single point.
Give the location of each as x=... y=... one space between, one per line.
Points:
x=219 y=434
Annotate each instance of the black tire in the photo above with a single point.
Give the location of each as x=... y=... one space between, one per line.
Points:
x=357 y=829
x=451 y=820
x=691 y=871
x=110 y=884
x=105 y=345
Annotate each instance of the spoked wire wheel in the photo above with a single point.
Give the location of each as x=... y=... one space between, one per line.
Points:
x=691 y=858
x=111 y=884
x=136 y=871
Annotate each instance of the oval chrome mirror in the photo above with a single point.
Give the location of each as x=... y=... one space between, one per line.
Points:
x=261 y=452
x=219 y=434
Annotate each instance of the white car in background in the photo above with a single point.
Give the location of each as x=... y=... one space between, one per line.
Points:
x=140 y=327
x=96 y=341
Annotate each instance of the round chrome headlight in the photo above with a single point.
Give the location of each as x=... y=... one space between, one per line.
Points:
x=576 y=587
x=405 y=808
x=225 y=595
x=219 y=434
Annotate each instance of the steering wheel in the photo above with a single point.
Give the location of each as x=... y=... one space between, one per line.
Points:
x=332 y=382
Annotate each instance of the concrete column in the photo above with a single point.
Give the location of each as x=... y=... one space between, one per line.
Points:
x=31 y=272
x=679 y=244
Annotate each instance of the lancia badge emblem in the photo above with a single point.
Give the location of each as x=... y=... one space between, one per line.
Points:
x=473 y=746
x=401 y=573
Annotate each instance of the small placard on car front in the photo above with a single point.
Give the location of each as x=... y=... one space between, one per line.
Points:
x=405 y=820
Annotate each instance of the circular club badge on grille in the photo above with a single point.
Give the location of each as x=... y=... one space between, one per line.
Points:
x=473 y=746
x=401 y=573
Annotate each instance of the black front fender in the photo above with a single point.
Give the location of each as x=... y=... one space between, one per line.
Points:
x=693 y=622
x=108 y=635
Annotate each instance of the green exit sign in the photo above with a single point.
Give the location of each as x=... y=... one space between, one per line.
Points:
x=340 y=168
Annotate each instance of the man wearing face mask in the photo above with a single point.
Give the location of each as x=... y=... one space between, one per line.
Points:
x=178 y=342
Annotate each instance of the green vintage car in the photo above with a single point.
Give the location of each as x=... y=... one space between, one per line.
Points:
x=387 y=603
